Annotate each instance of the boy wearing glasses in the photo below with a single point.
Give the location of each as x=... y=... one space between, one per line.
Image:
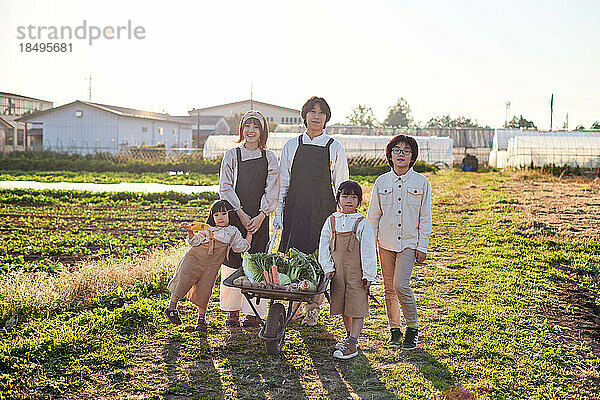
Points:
x=400 y=213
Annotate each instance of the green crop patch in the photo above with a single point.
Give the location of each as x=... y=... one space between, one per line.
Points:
x=504 y=313
x=50 y=230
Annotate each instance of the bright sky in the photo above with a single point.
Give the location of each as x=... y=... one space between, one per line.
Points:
x=458 y=57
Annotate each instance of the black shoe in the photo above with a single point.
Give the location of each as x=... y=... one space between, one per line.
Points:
x=173 y=316
x=395 y=337
x=410 y=339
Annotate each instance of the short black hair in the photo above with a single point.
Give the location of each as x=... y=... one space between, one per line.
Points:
x=222 y=206
x=409 y=141
x=349 y=187
x=310 y=104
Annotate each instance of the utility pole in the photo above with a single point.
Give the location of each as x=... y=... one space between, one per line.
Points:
x=507 y=117
x=551 y=109
x=89 y=87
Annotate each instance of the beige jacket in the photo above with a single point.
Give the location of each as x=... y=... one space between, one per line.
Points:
x=400 y=211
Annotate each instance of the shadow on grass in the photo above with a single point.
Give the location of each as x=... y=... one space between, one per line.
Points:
x=251 y=373
x=189 y=367
x=340 y=376
x=431 y=369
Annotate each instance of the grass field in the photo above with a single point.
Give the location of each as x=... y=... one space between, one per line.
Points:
x=508 y=305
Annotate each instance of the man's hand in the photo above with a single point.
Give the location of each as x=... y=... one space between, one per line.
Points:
x=278 y=222
x=256 y=222
x=420 y=256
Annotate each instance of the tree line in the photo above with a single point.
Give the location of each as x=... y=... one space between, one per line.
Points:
x=399 y=115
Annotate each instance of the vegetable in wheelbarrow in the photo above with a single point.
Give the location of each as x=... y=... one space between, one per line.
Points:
x=279 y=271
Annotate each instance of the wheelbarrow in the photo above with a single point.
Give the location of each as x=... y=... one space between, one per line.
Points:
x=272 y=331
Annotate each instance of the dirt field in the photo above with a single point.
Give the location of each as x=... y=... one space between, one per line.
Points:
x=568 y=208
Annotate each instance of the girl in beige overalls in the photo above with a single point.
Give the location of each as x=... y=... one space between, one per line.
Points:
x=347 y=254
x=197 y=270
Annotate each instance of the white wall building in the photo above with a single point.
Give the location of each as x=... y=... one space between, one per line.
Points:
x=273 y=113
x=83 y=127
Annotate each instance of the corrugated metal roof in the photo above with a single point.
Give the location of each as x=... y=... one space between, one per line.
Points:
x=22 y=97
x=121 y=111
x=242 y=102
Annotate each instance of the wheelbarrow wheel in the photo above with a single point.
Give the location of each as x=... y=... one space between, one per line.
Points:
x=273 y=327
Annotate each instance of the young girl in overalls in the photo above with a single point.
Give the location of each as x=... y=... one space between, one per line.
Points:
x=249 y=180
x=347 y=253
x=400 y=212
x=197 y=270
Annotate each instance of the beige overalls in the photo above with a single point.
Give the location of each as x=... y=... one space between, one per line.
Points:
x=197 y=271
x=348 y=295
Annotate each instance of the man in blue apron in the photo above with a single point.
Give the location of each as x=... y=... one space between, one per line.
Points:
x=312 y=166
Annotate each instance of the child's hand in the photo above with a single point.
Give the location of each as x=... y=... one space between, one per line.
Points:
x=185 y=227
x=420 y=256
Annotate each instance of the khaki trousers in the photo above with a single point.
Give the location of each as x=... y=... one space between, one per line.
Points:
x=397 y=269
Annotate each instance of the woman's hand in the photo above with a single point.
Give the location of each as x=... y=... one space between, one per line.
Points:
x=244 y=218
x=420 y=256
x=256 y=222
x=249 y=237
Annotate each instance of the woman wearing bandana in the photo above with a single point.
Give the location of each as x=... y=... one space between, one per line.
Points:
x=249 y=180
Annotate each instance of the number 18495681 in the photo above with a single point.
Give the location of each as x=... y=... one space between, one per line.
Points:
x=46 y=47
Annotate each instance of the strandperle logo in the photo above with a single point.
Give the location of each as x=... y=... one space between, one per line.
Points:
x=90 y=33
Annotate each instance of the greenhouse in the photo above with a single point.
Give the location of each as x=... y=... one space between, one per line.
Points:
x=432 y=149
x=516 y=148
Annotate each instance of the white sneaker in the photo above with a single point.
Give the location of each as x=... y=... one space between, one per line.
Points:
x=345 y=352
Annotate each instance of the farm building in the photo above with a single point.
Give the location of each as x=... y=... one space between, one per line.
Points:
x=475 y=141
x=84 y=127
x=517 y=148
x=433 y=150
x=12 y=132
x=16 y=105
x=272 y=112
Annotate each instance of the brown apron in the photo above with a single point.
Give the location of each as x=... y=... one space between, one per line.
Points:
x=348 y=295
x=197 y=271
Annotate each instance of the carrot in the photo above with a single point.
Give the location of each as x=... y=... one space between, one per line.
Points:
x=274 y=273
x=267 y=277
